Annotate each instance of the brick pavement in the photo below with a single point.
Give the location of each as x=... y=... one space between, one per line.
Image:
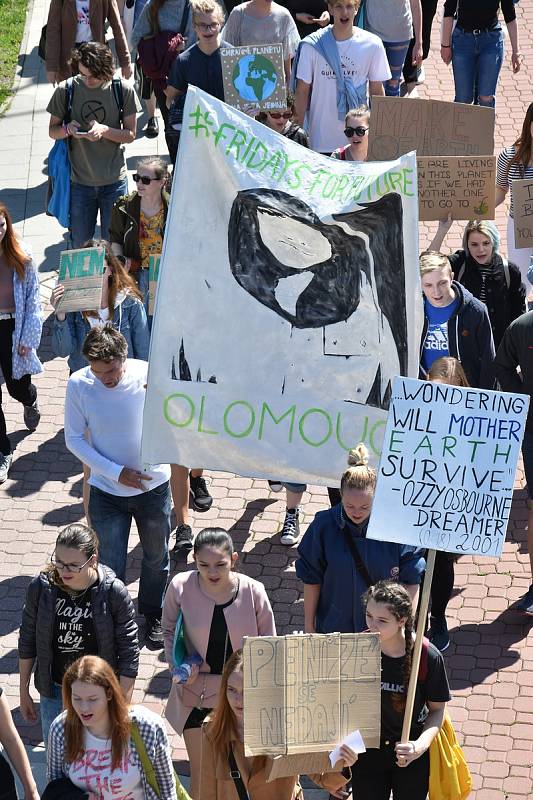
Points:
x=490 y=660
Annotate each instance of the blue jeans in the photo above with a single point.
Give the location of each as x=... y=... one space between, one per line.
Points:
x=51 y=707
x=476 y=61
x=85 y=202
x=143 y=283
x=111 y=517
x=396 y=52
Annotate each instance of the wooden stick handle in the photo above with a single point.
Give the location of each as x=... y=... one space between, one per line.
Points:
x=420 y=628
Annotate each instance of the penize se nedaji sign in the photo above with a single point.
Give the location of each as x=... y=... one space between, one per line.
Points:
x=288 y=299
x=447 y=467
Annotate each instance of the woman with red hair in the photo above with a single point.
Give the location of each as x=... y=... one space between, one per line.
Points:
x=20 y=331
x=103 y=747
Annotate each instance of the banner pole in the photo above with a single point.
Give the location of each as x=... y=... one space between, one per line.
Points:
x=420 y=628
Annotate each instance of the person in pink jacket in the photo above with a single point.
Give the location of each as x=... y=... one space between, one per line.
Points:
x=219 y=608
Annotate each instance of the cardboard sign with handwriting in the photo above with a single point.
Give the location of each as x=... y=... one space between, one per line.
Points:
x=254 y=76
x=81 y=272
x=153 y=277
x=463 y=186
x=523 y=212
x=304 y=693
x=399 y=125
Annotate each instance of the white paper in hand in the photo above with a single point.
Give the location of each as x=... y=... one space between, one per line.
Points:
x=354 y=740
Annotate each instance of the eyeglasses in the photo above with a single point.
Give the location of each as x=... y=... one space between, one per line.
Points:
x=280 y=115
x=208 y=26
x=143 y=179
x=59 y=565
x=349 y=131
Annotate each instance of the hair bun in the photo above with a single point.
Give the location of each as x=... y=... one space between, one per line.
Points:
x=358 y=456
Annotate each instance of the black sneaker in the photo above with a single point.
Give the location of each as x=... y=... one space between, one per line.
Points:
x=438 y=633
x=152 y=128
x=275 y=486
x=154 y=632
x=525 y=603
x=291 y=527
x=201 y=499
x=183 y=538
x=32 y=416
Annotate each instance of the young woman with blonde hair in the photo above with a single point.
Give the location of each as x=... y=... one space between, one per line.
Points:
x=223 y=757
x=337 y=563
x=98 y=742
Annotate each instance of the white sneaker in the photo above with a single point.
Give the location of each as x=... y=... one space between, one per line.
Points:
x=5 y=466
x=291 y=527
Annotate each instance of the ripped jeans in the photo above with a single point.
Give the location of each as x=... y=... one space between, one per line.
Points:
x=396 y=52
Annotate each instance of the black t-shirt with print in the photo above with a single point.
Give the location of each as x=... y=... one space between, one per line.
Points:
x=74 y=631
x=435 y=688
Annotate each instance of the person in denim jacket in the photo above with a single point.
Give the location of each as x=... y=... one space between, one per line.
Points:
x=21 y=322
x=121 y=304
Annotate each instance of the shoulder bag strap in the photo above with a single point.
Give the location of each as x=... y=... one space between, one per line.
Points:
x=184 y=17
x=147 y=766
x=118 y=91
x=69 y=88
x=506 y=271
x=356 y=555
x=236 y=775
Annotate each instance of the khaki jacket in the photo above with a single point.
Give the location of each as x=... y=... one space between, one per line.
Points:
x=62 y=27
x=217 y=784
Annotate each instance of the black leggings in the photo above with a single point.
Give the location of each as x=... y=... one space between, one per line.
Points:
x=22 y=390
x=410 y=72
x=375 y=774
x=442 y=584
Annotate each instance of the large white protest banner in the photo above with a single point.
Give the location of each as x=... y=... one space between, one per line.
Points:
x=288 y=299
x=447 y=468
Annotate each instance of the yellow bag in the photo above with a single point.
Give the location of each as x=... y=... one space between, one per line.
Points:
x=449 y=776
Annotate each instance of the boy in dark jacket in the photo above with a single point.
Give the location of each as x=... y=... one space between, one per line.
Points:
x=516 y=351
x=455 y=323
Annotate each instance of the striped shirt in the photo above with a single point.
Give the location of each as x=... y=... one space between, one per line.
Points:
x=505 y=175
x=154 y=736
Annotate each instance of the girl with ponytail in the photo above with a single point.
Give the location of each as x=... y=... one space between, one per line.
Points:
x=402 y=769
x=337 y=563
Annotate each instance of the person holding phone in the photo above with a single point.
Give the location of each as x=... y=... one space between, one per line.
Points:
x=106 y=399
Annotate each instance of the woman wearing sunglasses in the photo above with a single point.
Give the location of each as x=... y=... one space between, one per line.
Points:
x=138 y=220
x=281 y=121
x=75 y=607
x=356 y=131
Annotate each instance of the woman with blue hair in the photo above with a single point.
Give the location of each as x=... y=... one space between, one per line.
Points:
x=481 y=269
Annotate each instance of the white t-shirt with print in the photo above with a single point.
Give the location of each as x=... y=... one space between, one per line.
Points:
x=363 y=59
x=92 y=772
x=83 y=30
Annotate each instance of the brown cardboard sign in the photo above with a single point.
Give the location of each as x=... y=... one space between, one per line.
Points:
x=301 y=764
x=304 y=693
x=523 y=212
x=399 y=125
x=254 y=76
x=463 y=186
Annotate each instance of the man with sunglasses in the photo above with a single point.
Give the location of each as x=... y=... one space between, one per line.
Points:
x=102 y=119
x=336 y=69
x=200 y=64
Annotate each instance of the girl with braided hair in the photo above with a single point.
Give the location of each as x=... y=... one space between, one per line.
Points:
x=337 y=563
x=402 y=769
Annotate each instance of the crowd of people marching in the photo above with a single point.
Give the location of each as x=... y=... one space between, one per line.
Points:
x=79 y=639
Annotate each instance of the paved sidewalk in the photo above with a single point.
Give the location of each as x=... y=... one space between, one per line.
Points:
x=490 y=661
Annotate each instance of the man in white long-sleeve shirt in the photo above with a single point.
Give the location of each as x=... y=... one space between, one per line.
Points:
x=106 y=400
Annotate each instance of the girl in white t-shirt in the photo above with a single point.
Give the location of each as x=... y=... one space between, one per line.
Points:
x=98 y=743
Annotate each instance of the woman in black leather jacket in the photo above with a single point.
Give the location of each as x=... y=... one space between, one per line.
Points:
x=74 y=607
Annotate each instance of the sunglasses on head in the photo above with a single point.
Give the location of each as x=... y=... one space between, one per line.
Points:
x=360 y=131
x=280 y=114
x=143 y=179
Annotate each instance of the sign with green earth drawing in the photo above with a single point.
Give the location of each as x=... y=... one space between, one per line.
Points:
x=254 y=77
